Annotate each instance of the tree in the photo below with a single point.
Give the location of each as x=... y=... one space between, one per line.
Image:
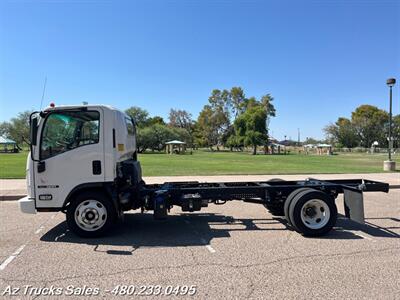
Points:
x=226 y=138
x=155 y=120
x=332 y=133
x=139 y=115
x=237 y=101
x=5 y=129
x=313 y=141
x=250 y=127
x=250 y=102
x=219 y=119
x=180 y=134
x=155 y=136
x=18 y=128
x=396 y=131
x=211 y=126
x=207 y=134
x=369 y=123
x=347 y=135
x=266 y=103
x=214 y=122
x=180 y=119
x=145 y=139
x=342 y=133
x=235 y=142
x=219 y=100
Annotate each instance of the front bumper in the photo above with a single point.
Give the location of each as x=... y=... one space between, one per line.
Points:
x=27 y=205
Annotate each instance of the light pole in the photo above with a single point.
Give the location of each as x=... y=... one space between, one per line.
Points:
x=298 y=137
x=390 y=165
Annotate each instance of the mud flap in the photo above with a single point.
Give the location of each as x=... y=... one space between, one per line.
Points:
x=354 y=205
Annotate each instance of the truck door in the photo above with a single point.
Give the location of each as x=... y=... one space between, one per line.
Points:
x=71 y=153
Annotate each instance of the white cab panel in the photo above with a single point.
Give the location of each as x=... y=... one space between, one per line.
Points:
x=65 y=171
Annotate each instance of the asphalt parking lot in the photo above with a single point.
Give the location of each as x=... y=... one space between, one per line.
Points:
x=237 y=250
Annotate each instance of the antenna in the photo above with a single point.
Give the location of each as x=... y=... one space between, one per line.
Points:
x=44 y=89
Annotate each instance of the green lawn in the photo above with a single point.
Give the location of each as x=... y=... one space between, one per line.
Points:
x=12 y=165
x=218 y=163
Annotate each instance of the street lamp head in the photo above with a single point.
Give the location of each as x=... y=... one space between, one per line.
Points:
x=391 y=81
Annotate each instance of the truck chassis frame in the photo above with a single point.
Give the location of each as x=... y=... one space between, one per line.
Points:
x=193 y=195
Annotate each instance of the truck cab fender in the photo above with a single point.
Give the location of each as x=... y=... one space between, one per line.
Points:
x=107 y=187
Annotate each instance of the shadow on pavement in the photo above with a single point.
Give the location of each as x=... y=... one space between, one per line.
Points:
x=343 y=225
x=141 y=230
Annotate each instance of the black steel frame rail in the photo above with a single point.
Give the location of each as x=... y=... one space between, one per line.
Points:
x=260 y=189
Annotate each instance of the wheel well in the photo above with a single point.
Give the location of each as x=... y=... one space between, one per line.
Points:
x=86 y=188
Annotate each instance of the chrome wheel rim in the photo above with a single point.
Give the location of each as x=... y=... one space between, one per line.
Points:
x=90 y=215
x=315 y=214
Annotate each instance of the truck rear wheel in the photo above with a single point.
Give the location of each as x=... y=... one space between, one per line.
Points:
x=288 y=200
x=91 y=214
x=313 y=213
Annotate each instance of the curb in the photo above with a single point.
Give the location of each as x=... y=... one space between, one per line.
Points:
x=11 y=197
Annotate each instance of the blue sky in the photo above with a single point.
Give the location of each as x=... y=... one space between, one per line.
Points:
x=319 y=59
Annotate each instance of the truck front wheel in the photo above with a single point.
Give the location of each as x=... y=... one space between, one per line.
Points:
x=90 y=214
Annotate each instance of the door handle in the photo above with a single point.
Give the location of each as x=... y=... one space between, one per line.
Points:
x=96 y=167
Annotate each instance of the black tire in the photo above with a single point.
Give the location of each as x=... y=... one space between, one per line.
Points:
x=106 y=212
x=295 y=212
x=275 y=179
x=288 y=200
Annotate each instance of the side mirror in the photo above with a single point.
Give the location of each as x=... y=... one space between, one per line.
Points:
x=33 y=131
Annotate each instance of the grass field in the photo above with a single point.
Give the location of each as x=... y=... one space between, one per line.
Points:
x=223 y=163
x=12 y=165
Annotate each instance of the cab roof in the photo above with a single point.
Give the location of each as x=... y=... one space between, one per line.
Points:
x=66 y=107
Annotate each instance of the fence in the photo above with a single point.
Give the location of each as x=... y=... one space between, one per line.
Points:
x=365 y=150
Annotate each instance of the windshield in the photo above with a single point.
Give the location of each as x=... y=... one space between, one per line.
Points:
x=64 y=131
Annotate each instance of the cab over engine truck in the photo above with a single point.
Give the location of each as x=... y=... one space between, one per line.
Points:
x=83 y=162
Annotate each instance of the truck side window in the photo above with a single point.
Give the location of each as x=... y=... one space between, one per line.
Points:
x=130 y=126
x=64 y=131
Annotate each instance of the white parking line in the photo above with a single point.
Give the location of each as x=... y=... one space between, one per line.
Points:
x=11 y=257
x=19 y=250
x=364 y=236
x=58 y=237
x=209 y=248
x=39 y=230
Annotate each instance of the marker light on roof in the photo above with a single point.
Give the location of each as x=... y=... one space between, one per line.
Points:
x=52 y=105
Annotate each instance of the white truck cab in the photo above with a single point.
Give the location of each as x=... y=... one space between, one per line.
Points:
x=78 y=150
